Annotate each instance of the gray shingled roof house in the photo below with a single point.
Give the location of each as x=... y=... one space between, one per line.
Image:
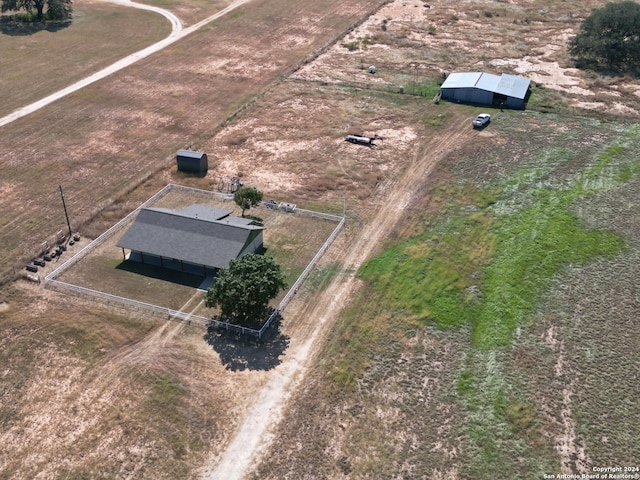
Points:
x=485 y=88
x=197 y=239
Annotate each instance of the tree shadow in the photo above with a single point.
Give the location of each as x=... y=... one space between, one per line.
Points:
x=244 y=352
x=606 y=69
x=16 y=28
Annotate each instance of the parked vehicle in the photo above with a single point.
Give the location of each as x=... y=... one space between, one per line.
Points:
x=481 y=120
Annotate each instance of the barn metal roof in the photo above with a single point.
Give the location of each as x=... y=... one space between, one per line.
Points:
x=197 y=234
x=505 y=84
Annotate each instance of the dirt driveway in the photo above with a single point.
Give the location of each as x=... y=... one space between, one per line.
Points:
x=254 y=433
x=380 y=185
x=177 y=32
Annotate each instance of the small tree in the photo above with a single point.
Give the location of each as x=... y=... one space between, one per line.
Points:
x=243 y=291
x=247 y=197
x=609 y=38
x=56 y=9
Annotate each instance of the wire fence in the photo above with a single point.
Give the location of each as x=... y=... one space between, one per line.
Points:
x=294 y=288
x=51 y=281
x=105 y=236
x=110 y=299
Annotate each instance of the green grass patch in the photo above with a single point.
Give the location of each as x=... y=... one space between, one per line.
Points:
x=627 y=173
x=427 y=89
x=361 y=334
x=434 y=276
x=486 y=259
x=532 y=246
x=547 y=100
x=351 y=46
x=435 y=119
x=166 y=391
x=489 y=269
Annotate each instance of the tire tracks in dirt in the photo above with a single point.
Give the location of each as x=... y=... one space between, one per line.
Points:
x=149 y=348
x=257 y=430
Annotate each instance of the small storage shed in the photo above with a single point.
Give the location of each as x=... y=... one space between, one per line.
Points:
x=192 y=162
x=486 y=89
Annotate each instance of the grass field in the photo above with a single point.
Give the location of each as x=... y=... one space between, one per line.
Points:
x=131 y=397
x=492 y=335
x=128 y=128
x=438 y=367
x=99 y=35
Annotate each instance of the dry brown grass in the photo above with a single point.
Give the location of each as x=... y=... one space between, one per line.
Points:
x=89 y=392
x=140 y=403
x=101 y=141
x=99 y=35
x=79 y=401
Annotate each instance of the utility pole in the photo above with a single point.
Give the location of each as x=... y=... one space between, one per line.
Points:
x=64 y=205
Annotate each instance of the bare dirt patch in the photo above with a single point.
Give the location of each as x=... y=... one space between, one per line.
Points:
x=413 y=41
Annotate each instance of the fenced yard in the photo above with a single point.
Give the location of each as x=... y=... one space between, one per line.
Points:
x=296 y=240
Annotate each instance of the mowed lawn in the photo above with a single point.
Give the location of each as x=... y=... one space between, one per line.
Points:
x=34 y=64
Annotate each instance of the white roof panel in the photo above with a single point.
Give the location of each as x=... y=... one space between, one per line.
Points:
x=462 y=80
x=509 y=85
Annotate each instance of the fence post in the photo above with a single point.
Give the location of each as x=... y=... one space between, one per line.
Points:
x=51 y=281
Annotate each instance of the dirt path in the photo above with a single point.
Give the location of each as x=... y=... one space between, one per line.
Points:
x=257 y=430
x=150 y=347
x=177 y=32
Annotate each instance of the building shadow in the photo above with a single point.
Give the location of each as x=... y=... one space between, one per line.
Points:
x=245 y=352
x=165 y=274
x=16 y=28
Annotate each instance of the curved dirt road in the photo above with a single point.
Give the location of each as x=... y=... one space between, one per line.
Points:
x=177 y=32
x=257 y=430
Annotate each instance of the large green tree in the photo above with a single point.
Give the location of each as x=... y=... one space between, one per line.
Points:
x=243 y=290
x=609 y=38
x=56 y=9
x=247 y=197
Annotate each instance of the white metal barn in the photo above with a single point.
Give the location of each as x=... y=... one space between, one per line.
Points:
x=486 y=89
